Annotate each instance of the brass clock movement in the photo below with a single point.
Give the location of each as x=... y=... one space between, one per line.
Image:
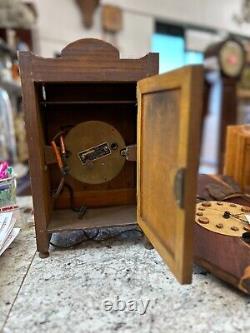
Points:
x=94 y=152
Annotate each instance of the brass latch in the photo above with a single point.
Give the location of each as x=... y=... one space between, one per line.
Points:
x=179 y=184
x=130 y=153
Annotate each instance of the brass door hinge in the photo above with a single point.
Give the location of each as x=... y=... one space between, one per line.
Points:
x=179 y=184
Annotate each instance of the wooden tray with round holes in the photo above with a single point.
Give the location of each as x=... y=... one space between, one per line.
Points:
x=223 y=218
x=221 y=242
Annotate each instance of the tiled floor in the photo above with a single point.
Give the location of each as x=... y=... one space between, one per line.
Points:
x=109 y=286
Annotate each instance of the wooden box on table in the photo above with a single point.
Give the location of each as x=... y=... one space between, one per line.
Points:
x=89 y=94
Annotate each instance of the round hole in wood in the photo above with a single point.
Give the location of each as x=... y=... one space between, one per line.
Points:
x=245 y=209
x=219 y=225
x=246 y=237
x=199 y=214
x=206 y=204
x=234 y=228
x=203 y=220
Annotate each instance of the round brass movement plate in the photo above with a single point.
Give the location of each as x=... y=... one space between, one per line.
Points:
x=222 y=217
x=94 y=152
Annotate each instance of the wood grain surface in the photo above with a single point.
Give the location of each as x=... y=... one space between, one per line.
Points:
x=169 y=112
x=237 y=156
x=226 y=257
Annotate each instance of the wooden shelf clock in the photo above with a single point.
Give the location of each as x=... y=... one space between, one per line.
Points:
x=85 y=113
x=224 y=62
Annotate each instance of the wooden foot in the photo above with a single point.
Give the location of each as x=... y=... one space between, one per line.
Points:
x=43 y=255
x=245 y=286
x=147 y=244
x=245 y=281
x=42 y=240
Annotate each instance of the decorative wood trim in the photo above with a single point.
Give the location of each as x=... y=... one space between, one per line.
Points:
x=87 y=8
x=90 y=47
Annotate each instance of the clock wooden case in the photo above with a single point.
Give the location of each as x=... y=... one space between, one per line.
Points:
x=224 y=63
x=159 y=113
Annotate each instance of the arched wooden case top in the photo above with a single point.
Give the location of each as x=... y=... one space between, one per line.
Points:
x=169 y=110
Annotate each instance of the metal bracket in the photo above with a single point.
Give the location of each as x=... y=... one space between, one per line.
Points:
x=179 y=186
x=130 y=153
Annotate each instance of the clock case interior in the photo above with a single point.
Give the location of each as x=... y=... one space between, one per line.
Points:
x=62 y=107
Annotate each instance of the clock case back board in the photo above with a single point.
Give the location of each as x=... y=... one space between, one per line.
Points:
x=167 y=131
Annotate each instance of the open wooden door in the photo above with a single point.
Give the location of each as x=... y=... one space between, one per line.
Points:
x=169 y=112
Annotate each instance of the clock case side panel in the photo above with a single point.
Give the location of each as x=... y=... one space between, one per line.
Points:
x=190 y=82
x=40 y=183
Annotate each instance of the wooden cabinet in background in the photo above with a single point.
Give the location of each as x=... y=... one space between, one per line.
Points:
x=237 y=155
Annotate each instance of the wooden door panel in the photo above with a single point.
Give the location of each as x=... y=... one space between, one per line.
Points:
x=168 y=141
